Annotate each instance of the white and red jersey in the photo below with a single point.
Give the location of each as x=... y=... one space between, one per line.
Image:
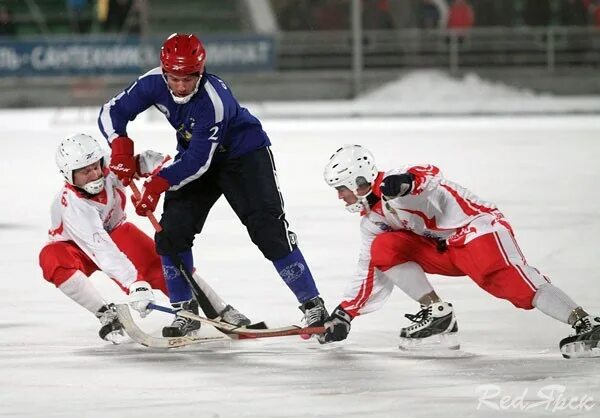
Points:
x=435 y=208
x=87 y=221
x=440 y=209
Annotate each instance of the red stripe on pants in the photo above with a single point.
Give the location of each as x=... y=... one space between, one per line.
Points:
x=482 y=259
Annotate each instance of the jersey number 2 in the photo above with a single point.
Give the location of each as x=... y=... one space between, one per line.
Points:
x=213 y=135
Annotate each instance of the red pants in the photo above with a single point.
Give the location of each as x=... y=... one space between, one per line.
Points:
x=59 y=260
x=493 y=261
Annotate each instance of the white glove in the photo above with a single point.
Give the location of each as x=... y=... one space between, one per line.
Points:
x=149 y=162
x=140 y=295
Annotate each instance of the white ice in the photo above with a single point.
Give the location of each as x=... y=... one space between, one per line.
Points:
x=542 y=172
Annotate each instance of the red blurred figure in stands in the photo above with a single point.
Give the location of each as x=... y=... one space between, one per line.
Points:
x=461 y=15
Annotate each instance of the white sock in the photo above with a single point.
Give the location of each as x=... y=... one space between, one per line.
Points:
x=554 y=302
x=411 y=279
x=81 y=290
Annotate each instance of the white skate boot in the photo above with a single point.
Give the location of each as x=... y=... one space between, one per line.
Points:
x=234 y=317
x=433 y=327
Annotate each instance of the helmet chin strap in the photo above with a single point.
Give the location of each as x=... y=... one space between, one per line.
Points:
x=184 y=99
x=363 y=203
x=94 y=187
x=360 y=205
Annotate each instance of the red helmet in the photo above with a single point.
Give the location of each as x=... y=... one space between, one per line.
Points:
x=182 y=54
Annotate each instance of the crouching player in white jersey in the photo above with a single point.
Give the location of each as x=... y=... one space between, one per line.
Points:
x=90 y=233
x=414 y=221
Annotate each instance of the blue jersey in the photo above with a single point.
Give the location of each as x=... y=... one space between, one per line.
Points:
x=210 y=127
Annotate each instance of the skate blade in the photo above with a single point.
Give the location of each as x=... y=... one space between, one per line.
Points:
x=581 y=349
x=447 y=341
x=116 y=337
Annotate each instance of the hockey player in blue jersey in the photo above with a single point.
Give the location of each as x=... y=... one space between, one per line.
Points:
x=222 y=150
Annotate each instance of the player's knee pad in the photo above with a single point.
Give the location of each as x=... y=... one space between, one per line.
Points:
x=269 y=233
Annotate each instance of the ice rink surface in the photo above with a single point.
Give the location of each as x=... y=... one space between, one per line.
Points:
x=542 y=172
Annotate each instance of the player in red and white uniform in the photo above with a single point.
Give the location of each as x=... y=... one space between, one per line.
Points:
x=89 y=232
x=414 y=221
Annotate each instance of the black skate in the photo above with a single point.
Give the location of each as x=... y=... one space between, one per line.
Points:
x=585 y=342
x=111 y=329
x=434 y=326
x=315 y=315
x=182 y=326
x=314 y=311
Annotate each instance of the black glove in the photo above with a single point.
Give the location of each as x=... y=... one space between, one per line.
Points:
x=337 y=326
x=397 y=185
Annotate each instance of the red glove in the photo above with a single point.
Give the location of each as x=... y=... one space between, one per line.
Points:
x=151 y=192
x=122 y=162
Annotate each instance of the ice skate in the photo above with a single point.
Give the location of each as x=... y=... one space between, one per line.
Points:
x=234 y=317
x=111 y=329
x=586 y=340
x=183 y=326
x=314 y=311
x=434 y=327
x=315 y=315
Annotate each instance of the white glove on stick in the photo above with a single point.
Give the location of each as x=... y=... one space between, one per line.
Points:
x=140 y=295
x=149 y=162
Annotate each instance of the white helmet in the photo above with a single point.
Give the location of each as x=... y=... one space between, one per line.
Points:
x=351 y=166
x=79 y=151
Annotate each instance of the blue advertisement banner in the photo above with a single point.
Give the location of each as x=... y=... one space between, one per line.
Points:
x=89 y=56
